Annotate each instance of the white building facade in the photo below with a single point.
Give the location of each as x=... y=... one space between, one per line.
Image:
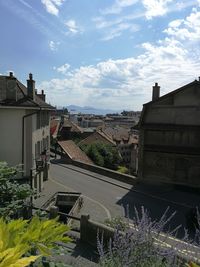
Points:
x=25 y=129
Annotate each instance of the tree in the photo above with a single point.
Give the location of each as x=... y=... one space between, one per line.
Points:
x=12 y=194
x=103 y=155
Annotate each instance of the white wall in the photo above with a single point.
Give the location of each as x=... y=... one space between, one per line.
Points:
x=11 y=135
x=11 y=123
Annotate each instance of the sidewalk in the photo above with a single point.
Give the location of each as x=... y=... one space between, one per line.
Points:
x=89 y=206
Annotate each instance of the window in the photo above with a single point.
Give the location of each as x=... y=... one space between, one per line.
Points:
x=37 y=151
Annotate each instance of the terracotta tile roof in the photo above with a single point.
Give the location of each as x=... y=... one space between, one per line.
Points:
x=74 y=127
x=74 y=152
x=97 y=137
x=120 y=134
x=54 y=126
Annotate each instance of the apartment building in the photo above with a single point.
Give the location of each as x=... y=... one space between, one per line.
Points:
x=25 y=128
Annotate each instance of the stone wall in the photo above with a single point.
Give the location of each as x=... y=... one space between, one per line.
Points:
x=106 y=172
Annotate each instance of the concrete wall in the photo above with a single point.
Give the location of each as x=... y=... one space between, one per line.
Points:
x=106 y=172
x=180 y=137
x=171 y=167
x=173 y=115
x=11 y=135
x=90 y=229
x=169 y=144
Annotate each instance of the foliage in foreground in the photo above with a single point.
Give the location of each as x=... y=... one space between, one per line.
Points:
x=140 y=245
x=12 y=194
x=23 y=237
x=117 y=222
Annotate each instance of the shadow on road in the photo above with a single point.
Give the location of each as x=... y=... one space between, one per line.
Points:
x=156 y=199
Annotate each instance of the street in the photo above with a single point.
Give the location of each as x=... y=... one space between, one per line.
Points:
x=120 y=199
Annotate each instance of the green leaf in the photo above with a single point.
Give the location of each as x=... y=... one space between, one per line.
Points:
x=43 y=249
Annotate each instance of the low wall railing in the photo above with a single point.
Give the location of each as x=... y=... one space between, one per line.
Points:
x=89 y=230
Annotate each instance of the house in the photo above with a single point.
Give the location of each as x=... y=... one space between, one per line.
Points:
x=120 y=121
x=169 y=147
x=68 y=129
x=90 y=121
x=119 y=137
x=25 y=130
x=127 y=145
x=128 y=149
x=98 y=137
x=73 y=152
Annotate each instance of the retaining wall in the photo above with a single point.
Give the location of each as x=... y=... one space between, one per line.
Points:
x=106 y=172
x=129 y=179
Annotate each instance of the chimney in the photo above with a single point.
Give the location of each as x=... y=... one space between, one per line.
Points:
x=155 y=92
x=31 y=87
x=11 y=74
x=11 y=93
x=42 y=95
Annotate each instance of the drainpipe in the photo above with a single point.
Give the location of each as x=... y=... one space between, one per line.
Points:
x=23 y=121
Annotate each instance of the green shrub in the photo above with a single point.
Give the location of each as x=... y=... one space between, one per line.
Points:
x=122 y=169
x=23 y=237
x=12 y=194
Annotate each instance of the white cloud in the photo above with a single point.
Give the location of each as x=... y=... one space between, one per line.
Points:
x=72 y=27
x=62 y=69
x=115 y=28
x=186 y=29
x=127 y=83
x=118 y=83
x=53 y=45
x=156 y=7
x=52 y=6
x=118 y=6
x=119 y=29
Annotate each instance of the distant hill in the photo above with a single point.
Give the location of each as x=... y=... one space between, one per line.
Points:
x=91 y=110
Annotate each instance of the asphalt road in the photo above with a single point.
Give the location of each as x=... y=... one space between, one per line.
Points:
x=114 y=199
x=104 y=194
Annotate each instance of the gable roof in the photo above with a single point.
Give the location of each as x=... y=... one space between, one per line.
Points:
x=174 y=92
x=74 y=152
x=98 y=136
x=23 y=100
x=73 y=126
x=54 y=126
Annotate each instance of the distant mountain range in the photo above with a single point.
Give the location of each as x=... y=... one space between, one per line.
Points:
x=91 y=110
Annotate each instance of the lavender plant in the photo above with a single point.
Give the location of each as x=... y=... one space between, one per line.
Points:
x=142 y=244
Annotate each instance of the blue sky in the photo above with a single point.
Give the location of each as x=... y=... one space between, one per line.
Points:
x=101 y=53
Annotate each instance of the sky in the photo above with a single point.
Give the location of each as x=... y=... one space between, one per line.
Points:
x=101 y=53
